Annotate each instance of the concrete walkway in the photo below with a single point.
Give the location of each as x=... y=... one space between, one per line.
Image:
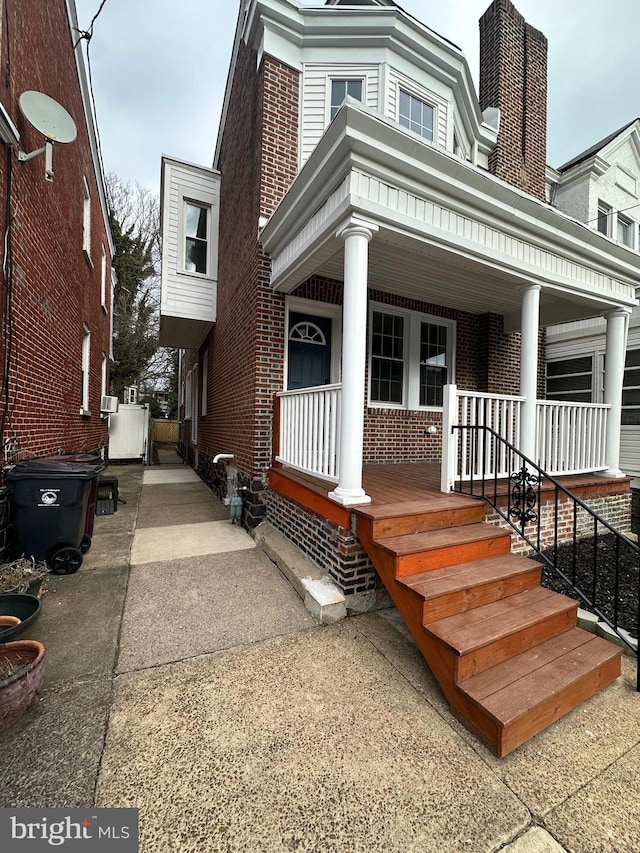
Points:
x=186 y=678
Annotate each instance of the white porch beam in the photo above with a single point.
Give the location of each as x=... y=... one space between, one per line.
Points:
x=529 y=369
x=356 y=235
x=616 y=346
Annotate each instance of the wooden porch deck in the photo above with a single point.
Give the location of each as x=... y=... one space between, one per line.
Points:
x=410 y=482
x=506 y=652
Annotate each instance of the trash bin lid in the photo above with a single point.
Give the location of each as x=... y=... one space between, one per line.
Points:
x=52 y=467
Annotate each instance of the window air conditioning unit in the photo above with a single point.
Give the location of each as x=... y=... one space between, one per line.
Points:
x=109 y=405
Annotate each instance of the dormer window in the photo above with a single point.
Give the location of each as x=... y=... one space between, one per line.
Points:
x=339 y=91
x=604 y=217
x=416 y=114
x=625 y=231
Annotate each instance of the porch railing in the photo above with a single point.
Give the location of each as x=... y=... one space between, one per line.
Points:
x=570 y=436
x=599 y=565
x=309 y=420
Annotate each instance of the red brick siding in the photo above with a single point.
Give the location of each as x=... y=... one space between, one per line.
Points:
x=486 y=359
x=258 y=164
x=55 y=289
x=513 y=77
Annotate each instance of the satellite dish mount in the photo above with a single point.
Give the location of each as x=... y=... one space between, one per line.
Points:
x=52 y=121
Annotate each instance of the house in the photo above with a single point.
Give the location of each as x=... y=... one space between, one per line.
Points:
x=601 y=188
x=360 y=286
x=57 y=247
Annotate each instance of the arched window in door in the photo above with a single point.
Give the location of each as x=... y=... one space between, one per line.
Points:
x=309 y=351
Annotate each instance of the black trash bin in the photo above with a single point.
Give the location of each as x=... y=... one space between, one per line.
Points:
x=50 y=500
x=96 y=461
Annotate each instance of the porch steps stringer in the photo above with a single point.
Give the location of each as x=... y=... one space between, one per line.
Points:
x=506 y=652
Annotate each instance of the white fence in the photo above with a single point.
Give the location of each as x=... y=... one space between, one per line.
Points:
x=309 y=430
x=570 y=436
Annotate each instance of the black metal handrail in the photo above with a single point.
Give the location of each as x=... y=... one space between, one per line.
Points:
x=524 y=490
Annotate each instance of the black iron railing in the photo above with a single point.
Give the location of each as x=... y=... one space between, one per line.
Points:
x=582 y=554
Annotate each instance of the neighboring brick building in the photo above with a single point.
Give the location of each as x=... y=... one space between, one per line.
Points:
x=56 y=275
x=383 y=235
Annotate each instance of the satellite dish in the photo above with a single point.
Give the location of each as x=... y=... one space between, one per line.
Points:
x=50 y=119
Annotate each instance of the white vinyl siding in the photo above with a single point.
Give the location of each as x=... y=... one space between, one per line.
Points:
x=185 y=294
x=316 y=98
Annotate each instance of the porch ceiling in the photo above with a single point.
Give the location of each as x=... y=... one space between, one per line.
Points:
x=404 y=266
x=448 y=233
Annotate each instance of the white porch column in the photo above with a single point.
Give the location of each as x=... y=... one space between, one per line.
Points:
x=356 y=236
x=617 y=325
x=529 y=369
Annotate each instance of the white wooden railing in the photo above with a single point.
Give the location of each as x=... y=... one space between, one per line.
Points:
x=309 y=430
x=460 y=460
x=570 y=436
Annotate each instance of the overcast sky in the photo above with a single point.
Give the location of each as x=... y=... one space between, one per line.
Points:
x=159 y=70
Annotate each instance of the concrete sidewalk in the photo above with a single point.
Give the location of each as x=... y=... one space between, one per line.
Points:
x=187 y=679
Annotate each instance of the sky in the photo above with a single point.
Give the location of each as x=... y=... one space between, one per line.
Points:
x=159 y=70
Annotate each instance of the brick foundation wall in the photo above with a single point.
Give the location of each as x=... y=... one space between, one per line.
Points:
x=513 y=77
x=334 y=549
x=616 y=509
x=55 y=287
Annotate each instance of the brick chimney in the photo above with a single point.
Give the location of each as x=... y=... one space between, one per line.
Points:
x=513 y=77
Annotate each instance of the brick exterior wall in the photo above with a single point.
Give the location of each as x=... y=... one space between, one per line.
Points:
x=616 y=509
x=513 y=77
x=335 y=549
x=245 y=353
x=55 y=289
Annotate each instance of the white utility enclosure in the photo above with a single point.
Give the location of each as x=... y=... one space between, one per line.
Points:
x=129 y=433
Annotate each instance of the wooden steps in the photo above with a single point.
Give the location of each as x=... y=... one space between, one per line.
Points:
x=506 y=652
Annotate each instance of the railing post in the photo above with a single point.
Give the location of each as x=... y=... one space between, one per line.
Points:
x=449 y=438
x=275 y=434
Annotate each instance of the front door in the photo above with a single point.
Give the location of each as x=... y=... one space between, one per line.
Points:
x=309 y=356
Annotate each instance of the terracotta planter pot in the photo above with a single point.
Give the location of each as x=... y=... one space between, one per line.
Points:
x=18 y=691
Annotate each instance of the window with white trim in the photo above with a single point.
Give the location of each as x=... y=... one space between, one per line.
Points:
x=86 y=364
x=571 y=379
x=625 y=231
x=605 y=213
x=416 y=114
x=103 y=375
x=631 y=389
x=103 y=279
x=196 y=237
x=86 y=219
x=205 y=380
x=410 y=358
x=342 y=87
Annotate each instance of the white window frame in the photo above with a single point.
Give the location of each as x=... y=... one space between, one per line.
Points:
x=86 y=219
x=103 y=278
x=205 y=380
x=606 y=210
x=103 y=375
x=403 y=86
x=337 y=77
x=629 y=230
x=187 y=195
x=411 y=355
x=86 y=366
